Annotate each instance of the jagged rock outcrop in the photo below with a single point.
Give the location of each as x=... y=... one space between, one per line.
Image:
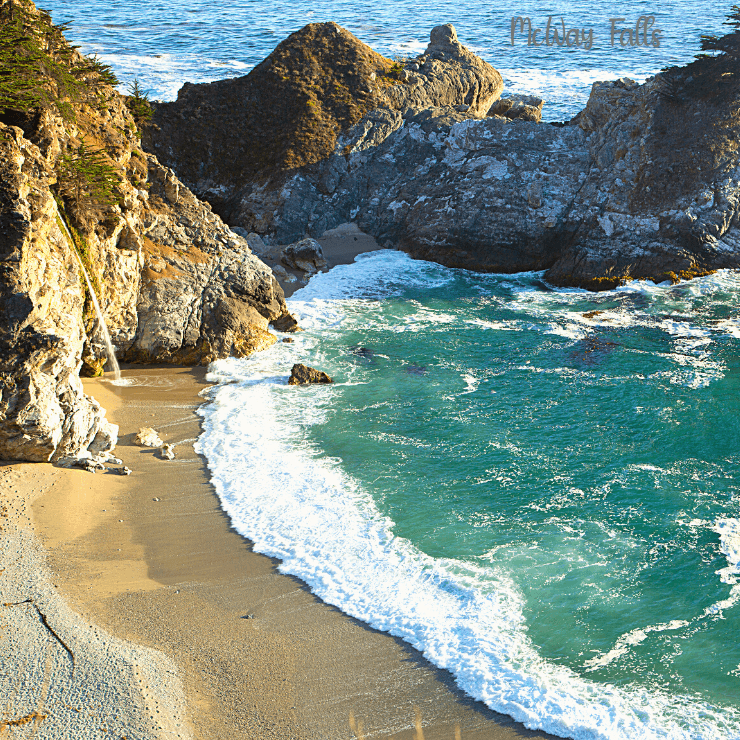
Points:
x=445 y=74
x=175 y=284
x=643 y=183
x=292 y=109
x=305 y=375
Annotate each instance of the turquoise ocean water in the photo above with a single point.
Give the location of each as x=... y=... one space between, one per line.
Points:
x=535 y=487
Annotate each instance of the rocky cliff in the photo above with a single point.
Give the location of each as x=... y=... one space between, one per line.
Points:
x=643 y=183
x=230 y=138
x=78 y=195
x=419 y=153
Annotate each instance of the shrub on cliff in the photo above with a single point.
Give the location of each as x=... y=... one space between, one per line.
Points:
x=137 y=101
x=87 y=179
x=39 y=68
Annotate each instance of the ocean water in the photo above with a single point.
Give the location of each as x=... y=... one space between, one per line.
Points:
x=166 y=43
x=537 y=488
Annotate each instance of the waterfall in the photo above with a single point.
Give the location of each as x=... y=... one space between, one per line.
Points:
x=98 y=313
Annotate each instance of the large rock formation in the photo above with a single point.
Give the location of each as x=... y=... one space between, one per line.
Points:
x=642 y=184
x=175 y=284
x=203 y=294
x=43 y=410
x=292 y=110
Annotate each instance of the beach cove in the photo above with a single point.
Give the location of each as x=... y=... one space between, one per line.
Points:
x=517 y=499
x=151 y=559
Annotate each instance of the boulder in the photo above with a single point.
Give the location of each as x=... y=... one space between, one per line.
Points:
x=304 y=375
x=523 y=107
x=305 y=255
x=148 y=437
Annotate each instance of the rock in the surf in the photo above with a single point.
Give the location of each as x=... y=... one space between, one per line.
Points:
x=304 y=375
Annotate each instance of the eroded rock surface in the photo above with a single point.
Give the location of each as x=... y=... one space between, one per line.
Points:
x=597 y=202
x=203 y=294
x=174 y=283
x=292 y=110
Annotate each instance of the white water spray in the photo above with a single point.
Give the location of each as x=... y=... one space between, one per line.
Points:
x=101 y=321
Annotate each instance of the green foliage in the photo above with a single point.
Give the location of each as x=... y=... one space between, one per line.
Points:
x=137 y=101
x=38 y=67
x=20 y=65
x=87 y=178
x=94 y=66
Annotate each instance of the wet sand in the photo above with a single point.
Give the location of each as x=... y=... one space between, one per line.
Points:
x=172 y=574
x=152 y=558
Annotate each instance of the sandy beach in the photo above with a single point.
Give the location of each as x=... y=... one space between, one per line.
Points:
x=152 y=559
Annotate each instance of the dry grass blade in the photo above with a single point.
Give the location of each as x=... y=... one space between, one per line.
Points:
x=356 y=726
x=417 y=724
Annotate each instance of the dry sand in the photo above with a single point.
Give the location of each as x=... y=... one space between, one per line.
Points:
x=340 y=246
x=152 y=559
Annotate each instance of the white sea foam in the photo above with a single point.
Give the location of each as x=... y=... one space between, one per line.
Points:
x=629 y=640
x=497 y=325
x=729 y=544
x=683 y=329
x=471 y=383
x=327 y=531
x=729 y=532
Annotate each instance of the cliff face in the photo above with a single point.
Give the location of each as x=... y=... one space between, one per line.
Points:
x=642 y=183
x=174 y=283
x=43 y=410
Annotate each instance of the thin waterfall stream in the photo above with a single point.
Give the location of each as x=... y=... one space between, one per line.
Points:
x=98 y=313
